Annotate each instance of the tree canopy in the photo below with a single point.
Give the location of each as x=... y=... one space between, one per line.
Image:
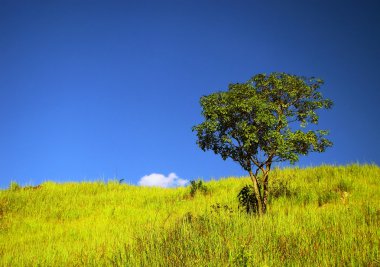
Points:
x=263 y=121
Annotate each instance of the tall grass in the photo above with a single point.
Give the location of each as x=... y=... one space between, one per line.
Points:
x=323 y=216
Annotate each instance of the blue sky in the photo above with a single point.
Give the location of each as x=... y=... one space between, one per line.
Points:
x=102 y=89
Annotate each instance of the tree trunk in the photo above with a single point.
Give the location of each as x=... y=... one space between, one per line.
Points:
x=266 y=192
x=257 y=193
x=266 y=186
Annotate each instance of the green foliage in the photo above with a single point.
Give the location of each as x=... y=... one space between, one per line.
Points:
x=256 y=117
x=198 y=186
x=262 y=121
x=112 y=224
x=247 y=199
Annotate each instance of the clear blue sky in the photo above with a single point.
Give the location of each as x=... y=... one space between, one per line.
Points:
x=97 y=89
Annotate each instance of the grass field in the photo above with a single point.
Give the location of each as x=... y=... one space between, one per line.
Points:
x=322 y=216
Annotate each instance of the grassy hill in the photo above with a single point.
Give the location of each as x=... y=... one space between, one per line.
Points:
x=323 y=216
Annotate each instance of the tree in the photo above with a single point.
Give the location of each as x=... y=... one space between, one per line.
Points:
x=261 y=122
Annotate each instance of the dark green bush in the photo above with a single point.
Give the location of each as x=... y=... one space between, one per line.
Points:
x=198 y=186
x=247 y=199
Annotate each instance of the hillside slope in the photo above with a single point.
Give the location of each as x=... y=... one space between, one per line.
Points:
x=323 y=216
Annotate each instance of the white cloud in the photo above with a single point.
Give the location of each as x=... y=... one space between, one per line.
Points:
x=156 y=179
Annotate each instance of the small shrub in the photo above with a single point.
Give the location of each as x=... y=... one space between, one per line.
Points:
x=198 y=186
x=247 y=199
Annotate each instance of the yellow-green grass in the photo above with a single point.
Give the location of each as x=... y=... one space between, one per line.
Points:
x=322 y=216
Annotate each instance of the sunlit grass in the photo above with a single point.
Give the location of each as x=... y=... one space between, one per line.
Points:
x=323 y=216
